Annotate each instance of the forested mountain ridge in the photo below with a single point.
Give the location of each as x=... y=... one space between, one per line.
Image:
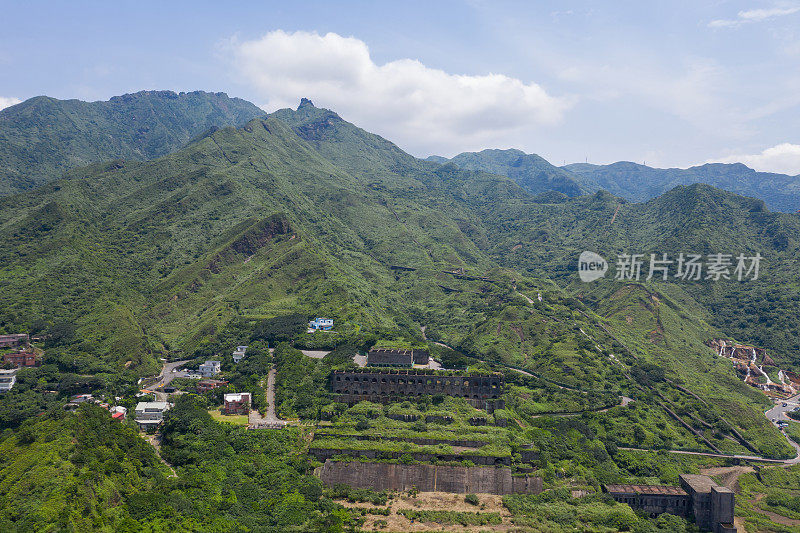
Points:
x=632 y=181
x=530 y=171
x=640 y=183
x=41 y=138
x=303 y=212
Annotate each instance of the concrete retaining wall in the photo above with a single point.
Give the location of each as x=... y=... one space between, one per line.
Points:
x=323 y=454
x=427 y=478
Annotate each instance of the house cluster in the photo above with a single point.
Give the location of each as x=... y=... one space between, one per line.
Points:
x=320 y=324
x=23 y=356
x=699 y=496
x=750 y=361
x=118 y=412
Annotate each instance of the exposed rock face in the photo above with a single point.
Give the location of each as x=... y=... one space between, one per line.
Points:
x=428 y=478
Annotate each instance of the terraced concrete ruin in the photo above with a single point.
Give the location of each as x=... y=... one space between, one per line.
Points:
x=385 y=386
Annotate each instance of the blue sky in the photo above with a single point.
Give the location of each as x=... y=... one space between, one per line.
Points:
x=667 y=83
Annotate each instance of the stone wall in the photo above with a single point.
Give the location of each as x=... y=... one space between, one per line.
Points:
x=323 y=454
x=393 y=385
x=427 y=478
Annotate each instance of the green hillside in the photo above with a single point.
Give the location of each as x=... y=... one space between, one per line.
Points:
x=304 y=213
x=530 y=171
x=41 y=138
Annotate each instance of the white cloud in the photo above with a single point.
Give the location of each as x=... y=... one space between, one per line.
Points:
x=754 y=15
x=783 y=158
x=6 y=101
x=421 y=108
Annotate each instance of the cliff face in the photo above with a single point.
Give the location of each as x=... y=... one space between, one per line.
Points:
x=428 y=478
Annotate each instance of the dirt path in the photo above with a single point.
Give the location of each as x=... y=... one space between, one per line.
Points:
x=778 y=519
x=155 y=442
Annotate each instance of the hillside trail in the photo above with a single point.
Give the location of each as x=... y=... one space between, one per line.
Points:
x=155 y=442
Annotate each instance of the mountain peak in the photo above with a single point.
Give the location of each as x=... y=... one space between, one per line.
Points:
x=305 y=102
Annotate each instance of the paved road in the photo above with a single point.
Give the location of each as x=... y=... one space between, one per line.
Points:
x=779 y=413
x=164 y=378
x=270 y=419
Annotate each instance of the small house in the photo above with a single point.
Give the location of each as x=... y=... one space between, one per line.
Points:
x=150 y=414
x=320 y=323
x=210 y=384
x=20 y=359
x=118 y=413
x=238 y=354
x=7 y=379
x=237 y=403
x=210 y=368
x=14 y=340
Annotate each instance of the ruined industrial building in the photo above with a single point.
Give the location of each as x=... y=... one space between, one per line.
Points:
x=384 y=386
x=710 y=505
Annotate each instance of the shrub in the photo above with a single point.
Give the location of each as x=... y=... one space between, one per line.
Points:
x=471 y=499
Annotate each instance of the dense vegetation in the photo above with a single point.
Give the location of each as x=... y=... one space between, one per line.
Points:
x=42 y=138
x=243 y=235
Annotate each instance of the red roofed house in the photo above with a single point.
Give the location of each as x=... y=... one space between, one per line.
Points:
x=237 y=404
x=20 y=359
x=210 y=384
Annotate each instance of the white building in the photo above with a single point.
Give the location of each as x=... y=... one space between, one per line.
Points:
x=320 y=323
x=210 y=369
x=7 y=379
x=150 y=414
x=238 y=355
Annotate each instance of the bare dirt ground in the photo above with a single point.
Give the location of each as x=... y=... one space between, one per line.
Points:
x=435 y=501
x=728 y=476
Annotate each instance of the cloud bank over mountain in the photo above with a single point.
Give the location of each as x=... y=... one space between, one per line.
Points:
x=424 y=109
x=783 y=158
x=7 y=101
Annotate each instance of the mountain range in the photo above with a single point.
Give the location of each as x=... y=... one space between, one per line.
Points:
x=125 y=261
x=631 y=181
x=41 y=138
